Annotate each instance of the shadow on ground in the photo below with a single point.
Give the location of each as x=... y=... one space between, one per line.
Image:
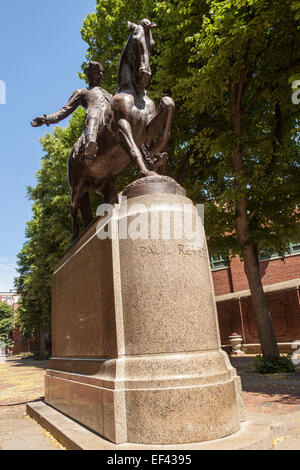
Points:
x=268 y=390
x=18 y=362
x=23 y=402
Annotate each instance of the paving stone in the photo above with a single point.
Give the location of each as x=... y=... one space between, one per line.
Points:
x=273 y=398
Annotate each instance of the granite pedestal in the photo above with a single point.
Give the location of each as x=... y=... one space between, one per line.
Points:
x=136 y=347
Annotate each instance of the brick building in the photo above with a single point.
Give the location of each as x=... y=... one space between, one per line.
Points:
x=281 y=282
x=12 y=298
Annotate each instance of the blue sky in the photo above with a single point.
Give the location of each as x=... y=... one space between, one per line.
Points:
x=41 y=53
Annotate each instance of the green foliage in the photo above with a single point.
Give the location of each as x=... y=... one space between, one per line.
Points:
x=206 y=52
x=48 y=232
x=6 y=323
x=235 y=134
x=106 y=32
x=203 y=49
x=282 y=364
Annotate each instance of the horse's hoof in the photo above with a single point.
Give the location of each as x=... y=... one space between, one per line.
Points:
x=167 y=102
x=161 y=160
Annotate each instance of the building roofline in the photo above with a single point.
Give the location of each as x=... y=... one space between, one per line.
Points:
x=279 y=286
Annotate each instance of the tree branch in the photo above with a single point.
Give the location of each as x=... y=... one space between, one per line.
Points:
x=255 y=97
x=243 y=75
x=266 y=85
x=290 y=66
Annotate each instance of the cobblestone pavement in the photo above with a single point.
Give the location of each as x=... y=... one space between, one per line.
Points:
x=22 y=381
x=274 y=396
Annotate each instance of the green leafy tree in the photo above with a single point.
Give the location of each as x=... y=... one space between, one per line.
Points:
x=228 y=65
x=6 y=323
x=247 y=51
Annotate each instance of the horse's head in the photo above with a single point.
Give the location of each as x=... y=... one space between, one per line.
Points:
x=137 y=54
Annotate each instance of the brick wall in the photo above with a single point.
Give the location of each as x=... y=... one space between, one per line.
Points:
x=11 y=298
x=20 y=346
x=237 y=315
x=233 y=278
x=277 y=271
x=222 y=281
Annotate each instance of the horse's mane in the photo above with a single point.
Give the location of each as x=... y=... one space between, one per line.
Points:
x=126 y=56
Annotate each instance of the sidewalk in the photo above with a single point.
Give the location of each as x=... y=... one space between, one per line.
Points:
x=22 y=381
x=275 y=397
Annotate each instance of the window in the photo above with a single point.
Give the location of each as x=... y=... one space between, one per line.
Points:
x=219 y=261
x=294 y=247
x=268 y=254
x=3 y=298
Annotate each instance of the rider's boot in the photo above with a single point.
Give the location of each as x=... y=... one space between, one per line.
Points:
x=91 y=146
x=91 y=149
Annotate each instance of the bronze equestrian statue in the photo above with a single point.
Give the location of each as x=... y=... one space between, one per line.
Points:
x=129 y=128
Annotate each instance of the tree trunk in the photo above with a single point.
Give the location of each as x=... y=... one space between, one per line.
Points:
x=251 y=264
x=260 y=305
x=43 y=354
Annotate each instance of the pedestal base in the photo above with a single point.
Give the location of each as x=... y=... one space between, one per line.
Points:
x=174 y=398
x=255 y=434
x=136 y=347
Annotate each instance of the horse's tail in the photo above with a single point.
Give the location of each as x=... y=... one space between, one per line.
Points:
x=127 y=52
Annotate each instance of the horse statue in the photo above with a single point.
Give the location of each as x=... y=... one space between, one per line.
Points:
x=131 y=128
x=131 y=124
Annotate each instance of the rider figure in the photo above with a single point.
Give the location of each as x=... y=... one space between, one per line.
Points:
x=94 y=99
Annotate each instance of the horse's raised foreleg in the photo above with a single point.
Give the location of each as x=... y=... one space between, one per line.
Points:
x=160 y=124
x=127 y=141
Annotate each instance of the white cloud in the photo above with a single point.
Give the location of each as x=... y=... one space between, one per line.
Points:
x=7 y=274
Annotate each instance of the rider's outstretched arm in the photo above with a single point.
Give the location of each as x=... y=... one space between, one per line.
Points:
x=64 y=112
x=68 y=109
